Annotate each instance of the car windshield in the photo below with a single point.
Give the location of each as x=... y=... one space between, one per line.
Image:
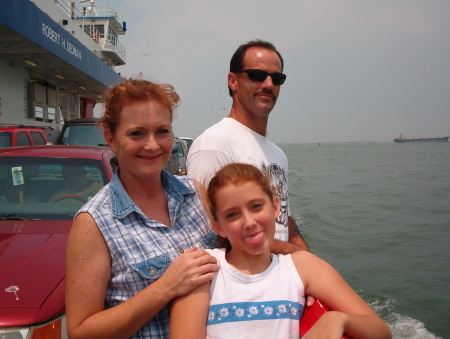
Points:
x=84 y=135
x=180 y=149
x=47 y=188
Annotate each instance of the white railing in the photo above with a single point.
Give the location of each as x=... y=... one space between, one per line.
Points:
x=88 y=13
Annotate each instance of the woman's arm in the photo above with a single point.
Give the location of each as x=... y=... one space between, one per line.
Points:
x=189 y=313
x=88 y=273
x=350 y=313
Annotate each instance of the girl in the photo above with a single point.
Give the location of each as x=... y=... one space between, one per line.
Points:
x=257 y=294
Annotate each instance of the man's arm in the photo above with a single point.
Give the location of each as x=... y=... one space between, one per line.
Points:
x=295 y=243
x=294 y=235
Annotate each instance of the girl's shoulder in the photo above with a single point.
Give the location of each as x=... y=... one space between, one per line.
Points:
x=311 y=268
x=307 y=263
x=309 y=260
x=302 y=255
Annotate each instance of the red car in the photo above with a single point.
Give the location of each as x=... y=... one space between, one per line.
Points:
x=41 y=189
x=20 y=135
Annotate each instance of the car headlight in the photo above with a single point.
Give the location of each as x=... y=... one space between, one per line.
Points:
x=55 y=329
x=14 y=333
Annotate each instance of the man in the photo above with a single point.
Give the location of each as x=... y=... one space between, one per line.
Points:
x=78 y=188
x=254 y=84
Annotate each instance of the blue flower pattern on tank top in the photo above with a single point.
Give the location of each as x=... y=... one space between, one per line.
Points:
x=248 y=311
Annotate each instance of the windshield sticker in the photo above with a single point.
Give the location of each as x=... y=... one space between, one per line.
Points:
x=17 y=175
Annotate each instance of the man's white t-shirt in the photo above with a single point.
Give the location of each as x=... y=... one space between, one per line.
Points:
x=229 y=141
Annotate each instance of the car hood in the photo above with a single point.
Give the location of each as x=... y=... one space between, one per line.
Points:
x=32 y=270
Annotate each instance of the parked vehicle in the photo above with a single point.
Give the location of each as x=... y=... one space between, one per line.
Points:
x=173 y=164
x=35 y=221
x=189 y=141
x=21 y=135
x=182 y=155
x=82 y=132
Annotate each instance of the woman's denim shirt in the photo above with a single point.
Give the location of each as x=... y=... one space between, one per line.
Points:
x=142 y=248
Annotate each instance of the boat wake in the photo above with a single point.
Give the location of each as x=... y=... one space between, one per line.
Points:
x=402 y=326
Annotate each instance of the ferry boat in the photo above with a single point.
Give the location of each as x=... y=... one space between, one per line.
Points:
x=402 y=139
x=56 y=59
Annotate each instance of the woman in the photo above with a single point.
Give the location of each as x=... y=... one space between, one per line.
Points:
x=257 y=294
x=132 y=247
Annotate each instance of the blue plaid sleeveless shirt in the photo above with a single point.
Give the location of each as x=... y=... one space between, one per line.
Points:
x=142 y=248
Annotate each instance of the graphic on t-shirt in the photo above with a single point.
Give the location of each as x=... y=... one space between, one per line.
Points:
x=280 y=185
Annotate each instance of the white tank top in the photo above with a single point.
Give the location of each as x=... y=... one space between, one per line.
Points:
x=265 y=305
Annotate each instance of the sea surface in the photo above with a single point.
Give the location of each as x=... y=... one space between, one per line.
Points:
x=380 y=214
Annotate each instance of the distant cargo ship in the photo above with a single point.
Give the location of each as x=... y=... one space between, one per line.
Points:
x=402 y=139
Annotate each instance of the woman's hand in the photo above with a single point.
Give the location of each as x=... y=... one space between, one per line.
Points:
x=189 y=270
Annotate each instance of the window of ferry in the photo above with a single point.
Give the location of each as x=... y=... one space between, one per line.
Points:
x=39 y=113
x=51 y=114
x=101 y=30
x=112 y=36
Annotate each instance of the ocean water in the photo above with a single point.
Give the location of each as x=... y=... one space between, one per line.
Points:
x=380 y=214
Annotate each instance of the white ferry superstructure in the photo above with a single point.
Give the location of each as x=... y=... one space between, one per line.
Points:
x=56 y=59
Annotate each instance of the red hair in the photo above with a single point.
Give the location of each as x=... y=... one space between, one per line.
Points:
x=133 y=91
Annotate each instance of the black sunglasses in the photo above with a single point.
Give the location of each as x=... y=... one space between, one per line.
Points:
x=260 y=75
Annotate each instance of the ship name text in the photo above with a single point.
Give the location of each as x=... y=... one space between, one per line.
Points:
x=55 y=37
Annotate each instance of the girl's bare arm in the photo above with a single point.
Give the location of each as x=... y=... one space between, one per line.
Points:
x=350 y=315
x=189 y=313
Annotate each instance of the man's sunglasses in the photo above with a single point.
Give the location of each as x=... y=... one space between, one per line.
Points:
x=260 y=75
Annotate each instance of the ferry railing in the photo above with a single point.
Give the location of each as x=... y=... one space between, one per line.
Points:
x=85 y=18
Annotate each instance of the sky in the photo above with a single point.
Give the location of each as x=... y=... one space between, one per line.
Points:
x=357 y=70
